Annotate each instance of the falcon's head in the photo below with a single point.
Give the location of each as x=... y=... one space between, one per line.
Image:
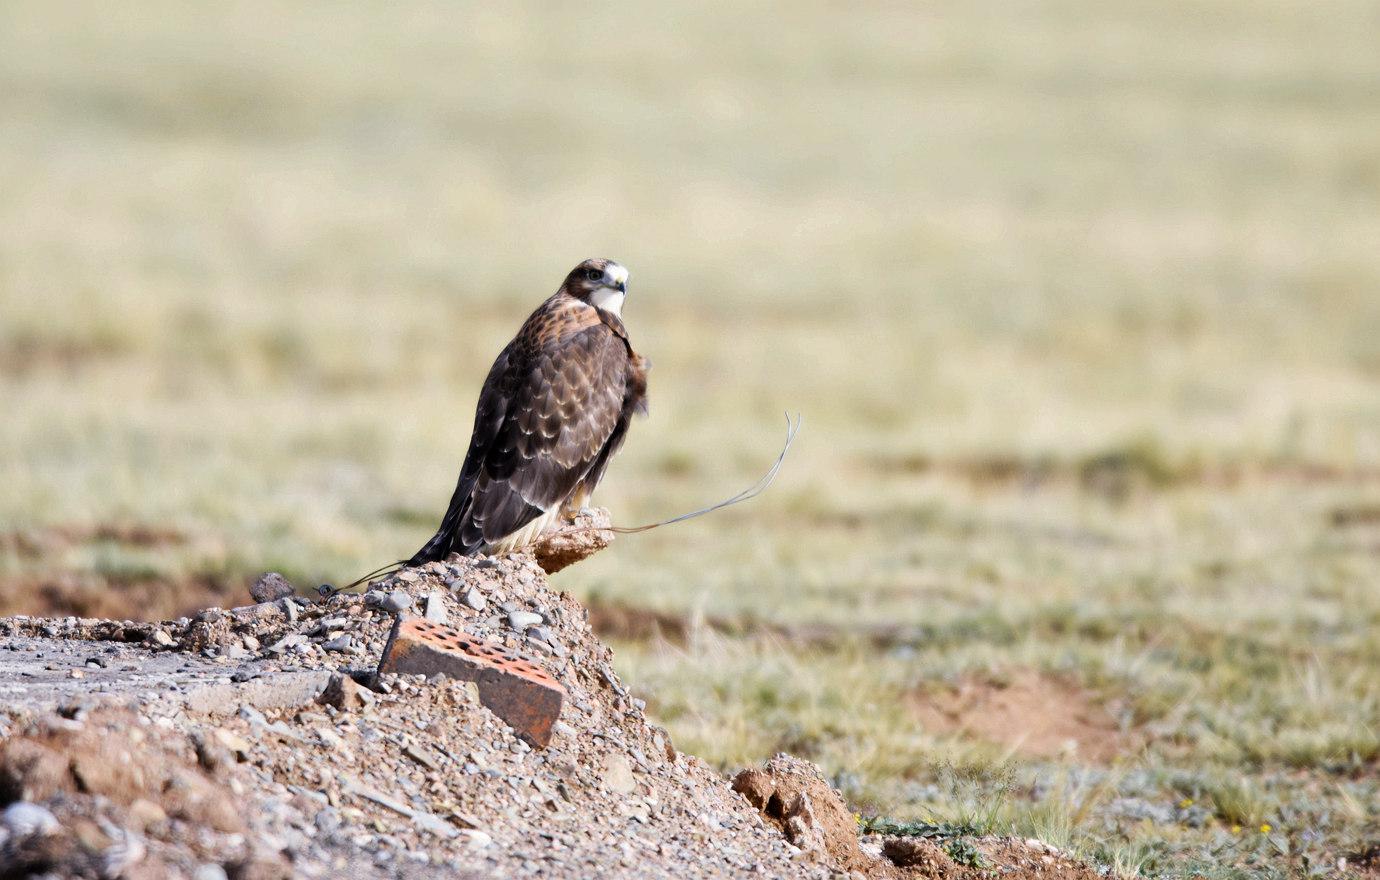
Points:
x=601 y=283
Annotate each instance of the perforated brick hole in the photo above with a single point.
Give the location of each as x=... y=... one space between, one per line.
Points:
x=512 y=687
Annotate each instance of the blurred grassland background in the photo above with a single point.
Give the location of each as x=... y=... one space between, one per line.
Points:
x=1080 y=303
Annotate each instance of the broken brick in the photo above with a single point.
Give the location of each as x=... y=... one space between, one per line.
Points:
x=512 y=687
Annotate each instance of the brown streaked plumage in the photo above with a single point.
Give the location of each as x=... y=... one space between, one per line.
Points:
x=552 y=414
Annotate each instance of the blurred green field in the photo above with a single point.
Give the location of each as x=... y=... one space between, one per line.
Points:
x=1080 y=303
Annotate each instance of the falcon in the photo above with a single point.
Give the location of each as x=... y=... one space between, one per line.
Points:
x=553 y=413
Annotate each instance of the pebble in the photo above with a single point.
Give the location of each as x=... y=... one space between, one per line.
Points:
x=209 y=872
x=327 y=820
x=436 y=608
x=289 y=608
x=270 y=587
x=520 y=620
x=340 y=643
x=253 y=716
x=345 y=694
x=618 y=774
x=475 y=599
x=291 y=640
x=23 y=819
x=396 y=602
x=162 y=639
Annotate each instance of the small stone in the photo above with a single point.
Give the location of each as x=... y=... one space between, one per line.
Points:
x=520 y=620
x=253 y=716
x=212 y=755
x=340 y=643
x=396 y=602
x=344 y=694
x=238 y=745
x=250 y=643
x=475 y=599
x=422 y=755
x=436 y=608
x=210 y=615
x=540 y=633
x=287 y=642
x=374 y=598
x=270 y=587
x=327 y=820
x=162 y=639
x=289 y=609
x=147 y=812
x=618 y=775
x=23 y=819
x=209 y=872
x=433 y=824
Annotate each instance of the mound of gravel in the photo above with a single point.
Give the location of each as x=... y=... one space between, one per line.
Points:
x=258 y=742
x=211 y=767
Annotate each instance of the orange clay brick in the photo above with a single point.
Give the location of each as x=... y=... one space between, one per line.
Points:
x=512 y=687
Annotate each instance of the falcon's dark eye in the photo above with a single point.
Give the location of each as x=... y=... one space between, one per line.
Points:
x=594 y=274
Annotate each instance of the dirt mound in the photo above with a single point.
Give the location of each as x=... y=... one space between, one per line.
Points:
x=793 y=795
x=259 y=742
x=1030 y=713
x=395 y=777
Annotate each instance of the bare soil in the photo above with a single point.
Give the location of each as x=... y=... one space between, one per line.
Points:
x=1029 y=713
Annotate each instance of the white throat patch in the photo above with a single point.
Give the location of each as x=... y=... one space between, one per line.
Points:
x=609 y=300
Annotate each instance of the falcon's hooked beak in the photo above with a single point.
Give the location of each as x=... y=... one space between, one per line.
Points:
x=616 y=276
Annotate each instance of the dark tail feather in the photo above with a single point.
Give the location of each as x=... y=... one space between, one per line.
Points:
x=443 y=542
x=440 y=545
x=437 y=548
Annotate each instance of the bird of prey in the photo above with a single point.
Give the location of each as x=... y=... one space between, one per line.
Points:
x=552 y=414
